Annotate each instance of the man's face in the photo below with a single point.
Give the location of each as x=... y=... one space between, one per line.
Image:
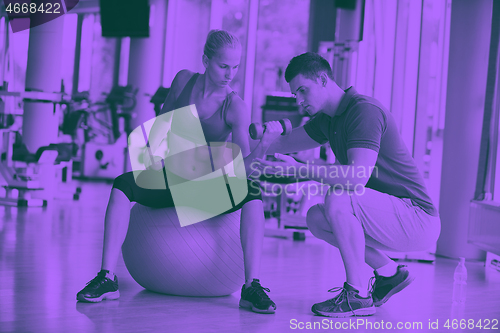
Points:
x=309 y=93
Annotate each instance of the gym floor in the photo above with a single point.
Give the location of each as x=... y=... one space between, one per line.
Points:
x=48 y=254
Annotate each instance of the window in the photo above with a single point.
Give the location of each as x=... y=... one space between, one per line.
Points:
x=281 y=34
x=97 y=59
x=68 y=51
x=496 y=170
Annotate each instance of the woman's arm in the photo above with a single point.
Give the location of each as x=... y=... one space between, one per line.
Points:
x=161 y=125
x=238 y=117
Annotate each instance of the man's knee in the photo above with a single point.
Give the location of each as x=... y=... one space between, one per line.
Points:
x=315 y=220
x=337 y=205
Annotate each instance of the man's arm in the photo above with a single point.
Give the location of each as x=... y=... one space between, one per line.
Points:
x=361 y=165
x=297 y=140
x=365 y=127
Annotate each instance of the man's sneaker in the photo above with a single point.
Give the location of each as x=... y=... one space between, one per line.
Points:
x=99 y=288
x=346 y=304
x=384 y=287
x=256 y=299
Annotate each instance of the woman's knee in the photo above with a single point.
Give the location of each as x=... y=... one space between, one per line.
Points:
x=254 y=205
x=254 y=190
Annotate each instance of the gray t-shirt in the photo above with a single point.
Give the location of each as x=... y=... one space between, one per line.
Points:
x=362 y=122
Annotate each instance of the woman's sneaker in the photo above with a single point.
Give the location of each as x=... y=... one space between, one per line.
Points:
x=99 y=288
x=347 y=303
x=256 y=299
x=384 y=287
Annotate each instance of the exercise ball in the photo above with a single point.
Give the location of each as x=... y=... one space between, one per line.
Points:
x=202 y=259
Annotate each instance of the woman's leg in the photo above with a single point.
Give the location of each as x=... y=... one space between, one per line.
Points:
x=252 y=236
x=116 y=223
x=253 y=295
x=105 y=284
x=126 y=191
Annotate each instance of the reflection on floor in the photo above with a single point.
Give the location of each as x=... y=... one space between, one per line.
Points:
x=47 y=255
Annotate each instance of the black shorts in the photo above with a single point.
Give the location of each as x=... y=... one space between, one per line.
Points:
x=161 y=198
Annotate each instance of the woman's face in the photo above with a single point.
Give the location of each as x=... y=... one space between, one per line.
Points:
x=223 y=66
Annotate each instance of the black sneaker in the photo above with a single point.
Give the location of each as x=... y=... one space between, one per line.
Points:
x=384 y=287
x=256 y=299
x=100 y=288
x=346 y=304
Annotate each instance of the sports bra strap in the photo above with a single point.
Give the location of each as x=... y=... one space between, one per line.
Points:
x=183 y=99
x=226 y=104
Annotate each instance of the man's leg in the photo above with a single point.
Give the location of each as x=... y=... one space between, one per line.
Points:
x=348 y=234
x=320 y=228
x=389 y=223
x=253 y=295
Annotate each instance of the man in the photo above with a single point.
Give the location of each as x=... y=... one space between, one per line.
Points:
x=377 y=199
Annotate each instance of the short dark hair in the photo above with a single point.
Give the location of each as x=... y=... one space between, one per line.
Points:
x=310 y=65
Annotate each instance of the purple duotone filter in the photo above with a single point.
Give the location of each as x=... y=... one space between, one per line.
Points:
x=432 y=64
x=28 y=14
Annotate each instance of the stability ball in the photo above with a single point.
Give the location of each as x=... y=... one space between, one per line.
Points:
x=202 y=259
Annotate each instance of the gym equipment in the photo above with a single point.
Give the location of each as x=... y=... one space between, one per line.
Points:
x=281 y=105
x=202 y=259
x=26 y=178
x=99 y=130
x=104 y=161
x=34 y=179
x=121 y=102
x=159 y=98
x=257 y=130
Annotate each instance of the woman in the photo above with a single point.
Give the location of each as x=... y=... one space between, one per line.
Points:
x=221 y=114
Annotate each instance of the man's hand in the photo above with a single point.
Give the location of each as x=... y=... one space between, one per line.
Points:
x=285 y=166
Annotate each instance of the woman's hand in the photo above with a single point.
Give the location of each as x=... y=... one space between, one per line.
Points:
x=153 y=163
x=272 y=131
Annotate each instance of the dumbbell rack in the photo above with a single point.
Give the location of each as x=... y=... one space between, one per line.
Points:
x=23 y=198
x=289 y=226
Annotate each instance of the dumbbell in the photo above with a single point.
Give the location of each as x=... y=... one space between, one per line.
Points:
x=257 y=130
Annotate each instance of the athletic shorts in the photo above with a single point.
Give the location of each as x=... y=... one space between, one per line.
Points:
x=161 y=198
x=393 y=224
